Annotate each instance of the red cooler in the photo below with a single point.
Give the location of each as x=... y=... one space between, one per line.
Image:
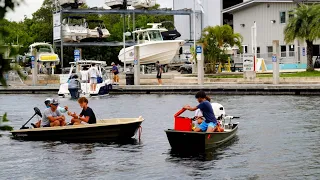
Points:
x=182 y=123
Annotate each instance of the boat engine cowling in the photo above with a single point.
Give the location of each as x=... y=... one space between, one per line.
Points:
x=218 y=110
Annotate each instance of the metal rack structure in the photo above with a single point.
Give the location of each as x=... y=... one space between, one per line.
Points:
x=61 y=44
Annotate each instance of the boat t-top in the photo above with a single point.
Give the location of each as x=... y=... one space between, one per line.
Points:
x=152 y=46
x=81 y=67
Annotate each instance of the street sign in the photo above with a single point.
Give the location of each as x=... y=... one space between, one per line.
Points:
x=248 y=62
x=76 y=53
x=32 y=61
x=135 y=62
x=57 y=26
x=199 y=50
x=274 y=58
x=303 y=51
x=76 y=59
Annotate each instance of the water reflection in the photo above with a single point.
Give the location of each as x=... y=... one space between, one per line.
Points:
x=208 y=155
x=278 y=138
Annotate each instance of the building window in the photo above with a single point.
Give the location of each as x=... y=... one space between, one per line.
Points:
x=245 y=49
x=258 y=52
x=283 y=51
x=270 y=51
x=282 y=17
x=291 y=50
x=291 y=15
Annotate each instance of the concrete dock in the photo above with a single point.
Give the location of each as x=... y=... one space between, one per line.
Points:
x=229 y=89
x=234 y=89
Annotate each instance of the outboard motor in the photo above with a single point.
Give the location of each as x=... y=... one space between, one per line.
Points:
x=218 y=110
x=172 y=33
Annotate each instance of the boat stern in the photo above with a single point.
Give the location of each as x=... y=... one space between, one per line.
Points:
x=186 y=141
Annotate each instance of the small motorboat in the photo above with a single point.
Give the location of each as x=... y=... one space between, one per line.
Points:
x=183 y=139
x=102 y=88
x=74 y=29
x=105 y=130
x=45 y=55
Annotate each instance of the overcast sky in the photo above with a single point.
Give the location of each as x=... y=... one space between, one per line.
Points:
x=30 y=6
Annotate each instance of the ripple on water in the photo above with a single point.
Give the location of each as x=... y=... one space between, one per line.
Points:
x=278 y=138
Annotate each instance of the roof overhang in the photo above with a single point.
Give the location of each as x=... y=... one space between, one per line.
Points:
x=254 y=2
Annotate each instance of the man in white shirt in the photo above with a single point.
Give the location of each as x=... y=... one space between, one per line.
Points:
x=93 y=73
x=84 y=75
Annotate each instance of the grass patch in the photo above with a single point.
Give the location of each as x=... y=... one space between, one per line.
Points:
x=302 y=74
x=284 y=75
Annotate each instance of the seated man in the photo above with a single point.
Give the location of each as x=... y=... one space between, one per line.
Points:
x=87 y=115
x=47 y=103
x=52 y=117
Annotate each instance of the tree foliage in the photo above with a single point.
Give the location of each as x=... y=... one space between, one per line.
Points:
x=216 y=40
x=304 y=25
x=39 y=29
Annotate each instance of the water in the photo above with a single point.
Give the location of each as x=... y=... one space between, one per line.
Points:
x=278 y=138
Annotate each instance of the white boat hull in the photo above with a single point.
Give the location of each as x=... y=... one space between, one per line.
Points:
x=67 y=2
x=93 y=33
x=143 y=3
x=74 y=33
x=162 y=51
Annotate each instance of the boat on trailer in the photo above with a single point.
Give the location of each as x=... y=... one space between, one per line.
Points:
x=102 y=88
x=105 y=130
x=183 y=139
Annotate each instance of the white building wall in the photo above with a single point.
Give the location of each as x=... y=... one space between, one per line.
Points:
x=263 y=14
x=211 y=17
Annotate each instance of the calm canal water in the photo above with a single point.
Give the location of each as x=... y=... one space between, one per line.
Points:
x=278 y=138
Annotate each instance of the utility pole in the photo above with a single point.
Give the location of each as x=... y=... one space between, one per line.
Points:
x=275 y=61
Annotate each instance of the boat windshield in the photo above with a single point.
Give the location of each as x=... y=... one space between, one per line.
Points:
x=155 y=35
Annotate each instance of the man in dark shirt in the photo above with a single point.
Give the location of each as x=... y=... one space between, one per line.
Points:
x=210 y=122
x=115 y=71
x=87 y=115
x=159 y=72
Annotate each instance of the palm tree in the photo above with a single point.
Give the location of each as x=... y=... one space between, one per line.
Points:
x=304 y=25
x=217 y=40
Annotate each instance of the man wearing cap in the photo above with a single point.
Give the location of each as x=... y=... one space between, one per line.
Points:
x=47 y=103
x=115 y=71
x=52 y=117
